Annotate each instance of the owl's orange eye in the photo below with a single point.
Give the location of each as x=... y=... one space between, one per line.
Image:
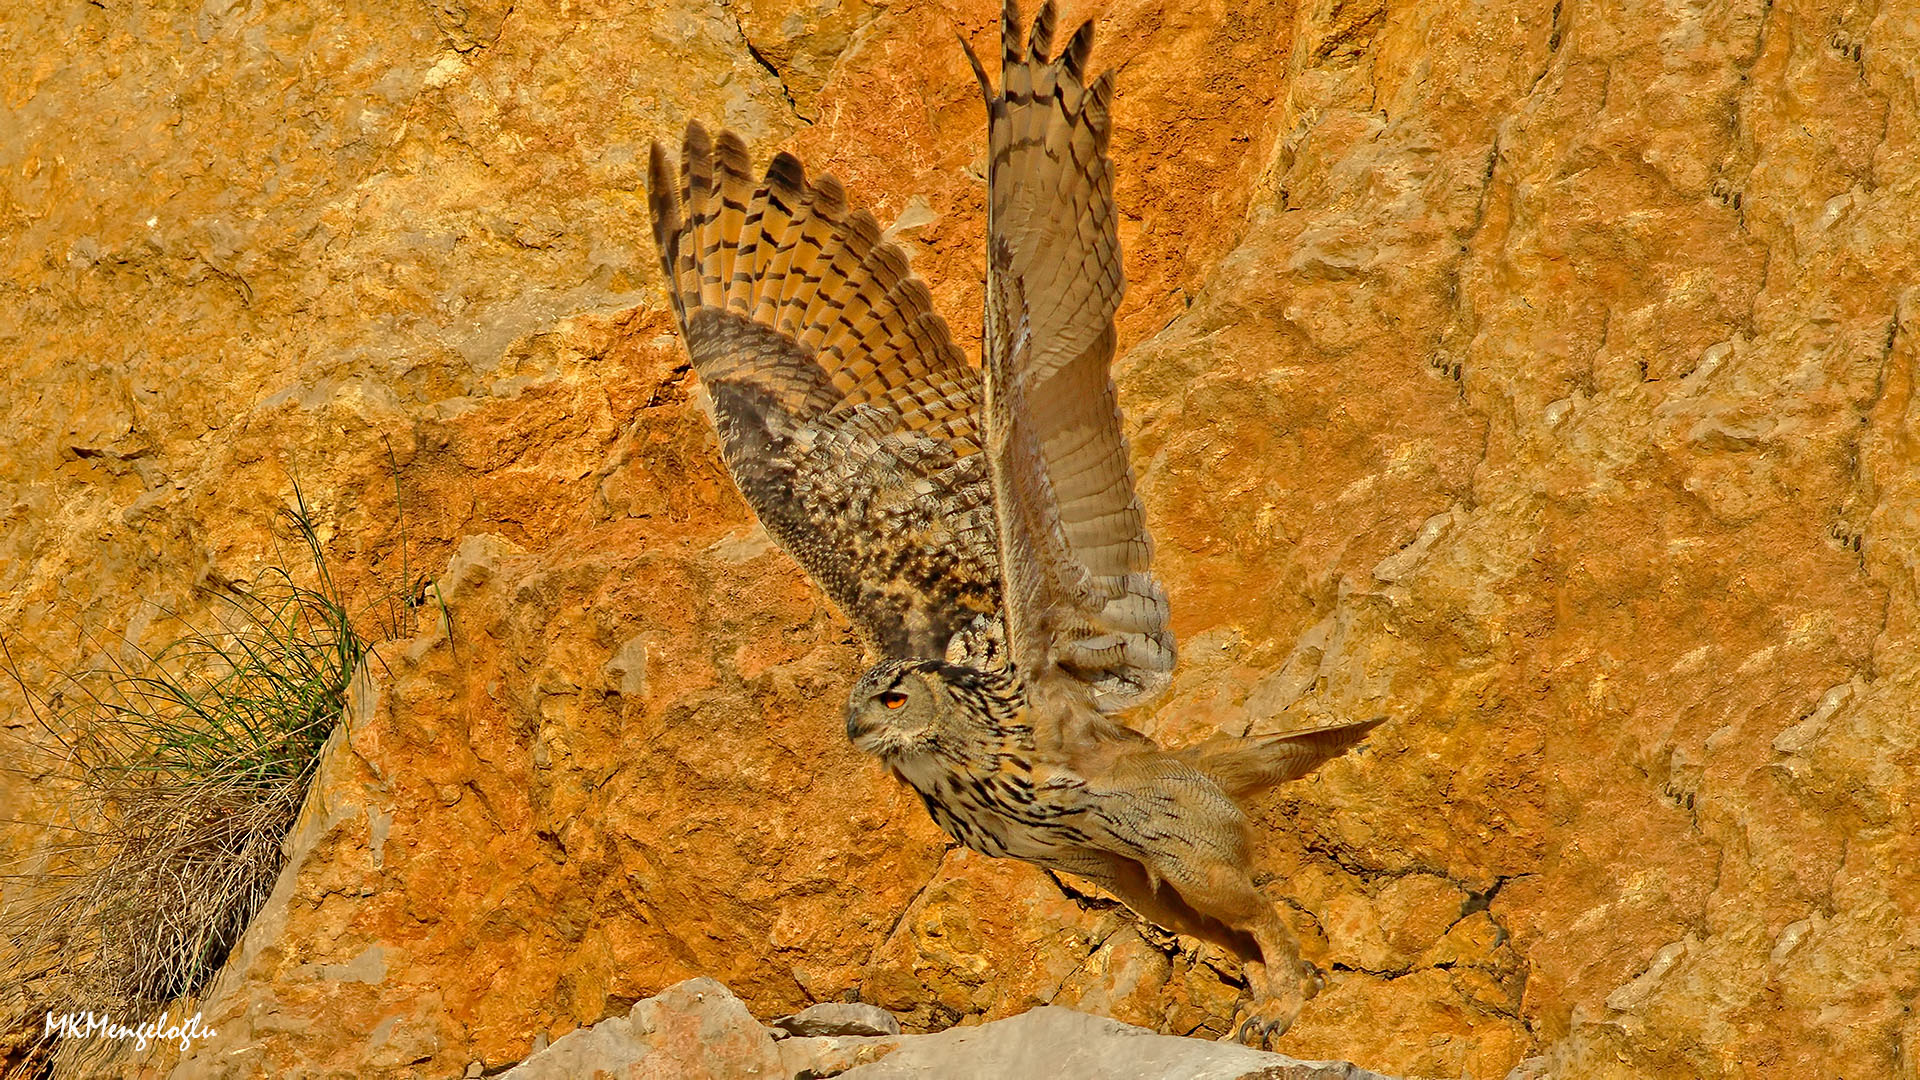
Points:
x=892 y=699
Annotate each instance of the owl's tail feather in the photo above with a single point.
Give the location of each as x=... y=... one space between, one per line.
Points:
x=789 y=255
x=1244 y=767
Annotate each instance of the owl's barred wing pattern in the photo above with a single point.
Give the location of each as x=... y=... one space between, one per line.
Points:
x=791 y=256
x=1084 y=613
x=848 y=418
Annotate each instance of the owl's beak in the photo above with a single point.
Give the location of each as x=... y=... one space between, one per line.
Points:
x=858 y=727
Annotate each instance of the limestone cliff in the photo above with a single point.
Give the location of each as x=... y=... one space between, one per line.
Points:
x=1539 y=373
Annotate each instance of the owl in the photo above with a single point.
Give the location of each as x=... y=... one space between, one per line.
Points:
x=979 y=525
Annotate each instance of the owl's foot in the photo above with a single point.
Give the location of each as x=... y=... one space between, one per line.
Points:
x=1266 y=1019
x=1264 y=1023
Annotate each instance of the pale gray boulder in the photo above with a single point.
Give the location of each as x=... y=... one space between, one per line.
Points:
x=697 y=1030
x=839 y=1018
x=1061 y=1044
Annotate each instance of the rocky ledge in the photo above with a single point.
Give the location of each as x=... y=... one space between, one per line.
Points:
x=697 y=1030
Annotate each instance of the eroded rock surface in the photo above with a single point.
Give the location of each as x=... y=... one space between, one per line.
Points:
x=696 y=1030
x=1539 y=373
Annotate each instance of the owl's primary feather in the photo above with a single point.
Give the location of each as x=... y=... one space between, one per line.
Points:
x=1084 y=613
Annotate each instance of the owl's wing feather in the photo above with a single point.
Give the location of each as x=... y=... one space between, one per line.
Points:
x=1242 y=767
x=1086 y=620
x=847 y=417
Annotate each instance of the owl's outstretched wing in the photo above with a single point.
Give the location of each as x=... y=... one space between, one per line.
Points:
x=847 y=416
x=1084 y=613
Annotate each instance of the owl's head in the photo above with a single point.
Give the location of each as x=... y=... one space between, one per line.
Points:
x=897 y=707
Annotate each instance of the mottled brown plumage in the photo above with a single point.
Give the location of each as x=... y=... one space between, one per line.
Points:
x=980 y=526
x=846 y=414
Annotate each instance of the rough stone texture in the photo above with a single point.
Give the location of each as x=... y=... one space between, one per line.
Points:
x=1066 y=1045
x=1540 y=373
x=697 y=1030
x=818 y=1056
x=839 y=1018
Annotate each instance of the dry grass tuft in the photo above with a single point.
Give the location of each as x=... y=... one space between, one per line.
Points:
x=188 y=768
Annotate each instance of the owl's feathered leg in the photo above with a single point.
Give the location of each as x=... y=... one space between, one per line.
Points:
x=1206 y=893
x=1280 y=981
x=1158 y=903
x=1222 y=890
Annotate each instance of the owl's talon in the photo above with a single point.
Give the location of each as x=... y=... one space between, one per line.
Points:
x=1261 y=1029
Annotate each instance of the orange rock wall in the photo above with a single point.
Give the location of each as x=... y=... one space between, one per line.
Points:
x=1538 y=374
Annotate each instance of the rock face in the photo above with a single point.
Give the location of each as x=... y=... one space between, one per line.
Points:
x=1540 y=373
x=696 y=1030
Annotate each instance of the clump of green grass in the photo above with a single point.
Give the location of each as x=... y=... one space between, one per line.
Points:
x=188 y=767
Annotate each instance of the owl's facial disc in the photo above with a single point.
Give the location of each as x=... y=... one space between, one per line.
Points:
x=889 y=712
